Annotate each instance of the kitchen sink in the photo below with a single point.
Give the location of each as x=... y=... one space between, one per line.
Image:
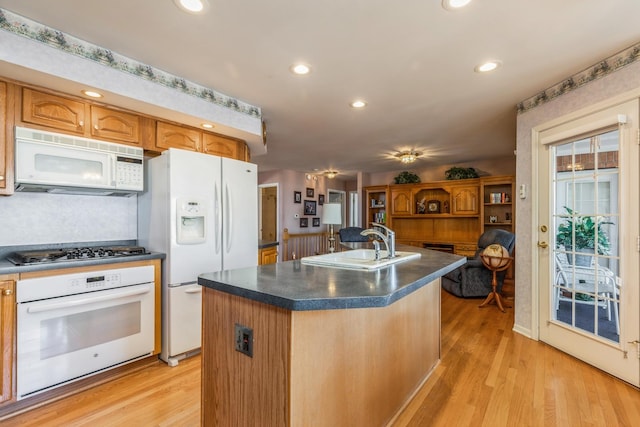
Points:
x=358 y=259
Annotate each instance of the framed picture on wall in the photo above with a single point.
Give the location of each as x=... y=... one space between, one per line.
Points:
x=309 y=207
x=297 y=197
x=316 y=222
x=309 y=192
x=304 y=222
x=321 y=199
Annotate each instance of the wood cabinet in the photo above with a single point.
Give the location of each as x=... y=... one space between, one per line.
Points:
x=6 y=147
x=268 y=255
x=401 y=201
x=44 y=110
x=58 y=113
x=464 y=200
x=7 y=332
x=174 y=136
x=376 y=205
x=447 y=214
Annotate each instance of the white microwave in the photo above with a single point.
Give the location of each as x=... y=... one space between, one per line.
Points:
x=57 y=163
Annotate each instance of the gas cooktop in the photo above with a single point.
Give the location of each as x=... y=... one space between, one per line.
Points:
x=44 y=256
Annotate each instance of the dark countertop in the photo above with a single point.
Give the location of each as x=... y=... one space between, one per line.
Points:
x=7 y=267
x=263 y=244
x=296 y=286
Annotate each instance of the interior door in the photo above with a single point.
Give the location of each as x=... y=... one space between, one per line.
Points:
x=588 y=235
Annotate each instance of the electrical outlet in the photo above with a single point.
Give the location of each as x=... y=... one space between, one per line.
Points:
x=244 y=340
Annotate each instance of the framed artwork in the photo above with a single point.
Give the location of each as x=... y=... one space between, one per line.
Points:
x=297 y=197
x=321 y=199
x=309 y=207
x=316 y=222
x=304 y=222
x=309 y=192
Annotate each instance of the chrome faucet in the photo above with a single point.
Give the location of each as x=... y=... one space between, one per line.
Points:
x=376 y=244
x=391 y=239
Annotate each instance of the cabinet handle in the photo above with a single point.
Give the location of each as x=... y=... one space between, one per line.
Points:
x=80 y=123
x=7 y=292
x=1 y=178
x=96 y=127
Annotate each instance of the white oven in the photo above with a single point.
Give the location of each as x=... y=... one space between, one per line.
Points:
x=74 y=325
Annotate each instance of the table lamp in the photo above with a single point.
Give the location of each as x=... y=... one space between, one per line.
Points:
x=332 y=214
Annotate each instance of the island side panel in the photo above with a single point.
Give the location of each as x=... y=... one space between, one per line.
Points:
x=237 y=389
x=360 y=367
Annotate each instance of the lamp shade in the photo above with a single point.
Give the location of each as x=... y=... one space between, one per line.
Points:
x=332 y=213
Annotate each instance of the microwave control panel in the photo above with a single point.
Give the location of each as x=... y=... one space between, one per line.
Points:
x=129 y=173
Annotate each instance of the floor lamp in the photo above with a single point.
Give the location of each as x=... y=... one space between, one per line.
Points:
x=332 y=214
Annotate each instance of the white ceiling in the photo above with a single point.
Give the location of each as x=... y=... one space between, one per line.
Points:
x=411 y=60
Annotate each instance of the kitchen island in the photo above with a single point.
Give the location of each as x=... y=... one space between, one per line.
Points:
x=328 y=346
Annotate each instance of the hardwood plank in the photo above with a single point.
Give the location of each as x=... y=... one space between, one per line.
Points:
x=535 y=385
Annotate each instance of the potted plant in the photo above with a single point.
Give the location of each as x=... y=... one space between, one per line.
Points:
x=460 y=173
x=578 y=233
x=406 y=177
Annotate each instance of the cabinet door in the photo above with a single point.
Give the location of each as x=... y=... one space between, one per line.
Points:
x=115 y=125
x=465 y=200
x=3 y=136
x=53 y=111
x=268 y=256
x=401 y=202
x=7 y=309
x=221 y=146
x=174 y=136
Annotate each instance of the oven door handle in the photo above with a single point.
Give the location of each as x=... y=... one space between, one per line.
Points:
x=85 y=301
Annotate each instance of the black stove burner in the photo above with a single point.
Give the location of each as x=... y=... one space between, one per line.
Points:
x=73 y=254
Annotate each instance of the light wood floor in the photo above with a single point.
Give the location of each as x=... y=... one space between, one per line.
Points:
x=488 y=376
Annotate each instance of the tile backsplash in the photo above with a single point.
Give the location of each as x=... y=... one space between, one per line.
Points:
x=32 y=219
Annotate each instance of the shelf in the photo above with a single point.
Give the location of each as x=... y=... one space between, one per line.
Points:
x=499 y=204
x=377 y=207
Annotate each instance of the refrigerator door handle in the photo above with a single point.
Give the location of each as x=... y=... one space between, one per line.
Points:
x=228 y=217
x=218 y=218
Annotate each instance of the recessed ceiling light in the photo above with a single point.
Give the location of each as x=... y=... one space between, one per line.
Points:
x=358 y=104
x=488 y=66
x=207 y=125
x=454 y=4
x=92 y=93
x=192 y=6
x=300 y=69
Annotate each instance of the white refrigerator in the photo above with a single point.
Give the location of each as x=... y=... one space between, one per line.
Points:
x=202 y=212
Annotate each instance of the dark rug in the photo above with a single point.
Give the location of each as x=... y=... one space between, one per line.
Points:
x=584 y=319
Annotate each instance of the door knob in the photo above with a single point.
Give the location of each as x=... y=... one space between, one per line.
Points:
x=543 y=245
x=7 y=292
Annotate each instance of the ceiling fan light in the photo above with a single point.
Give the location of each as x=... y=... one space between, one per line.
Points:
x=331 y=174
x=408 y=156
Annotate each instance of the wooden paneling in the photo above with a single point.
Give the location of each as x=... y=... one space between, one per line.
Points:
x=359 y=368
x=7 y=332
x=237 y=389
x=5 y=145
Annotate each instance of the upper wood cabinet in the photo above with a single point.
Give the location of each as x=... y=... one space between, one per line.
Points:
x=7 y=331
x=53 y=111
x=3 y=136
x=465 y=200
x=70 y=116
x=223 y=146
x=116 y=125
x=48 y=111
x=174 y=136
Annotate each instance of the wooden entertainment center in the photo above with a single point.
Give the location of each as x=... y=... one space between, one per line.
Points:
x=443 y=215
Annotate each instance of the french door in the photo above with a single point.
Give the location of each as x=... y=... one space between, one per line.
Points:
x=589 y=238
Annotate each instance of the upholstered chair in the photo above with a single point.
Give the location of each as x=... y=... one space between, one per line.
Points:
x=473 y=279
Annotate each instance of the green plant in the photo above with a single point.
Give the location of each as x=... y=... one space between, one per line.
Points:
x=406 y=178
x=460 y=173
x=580 y=232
